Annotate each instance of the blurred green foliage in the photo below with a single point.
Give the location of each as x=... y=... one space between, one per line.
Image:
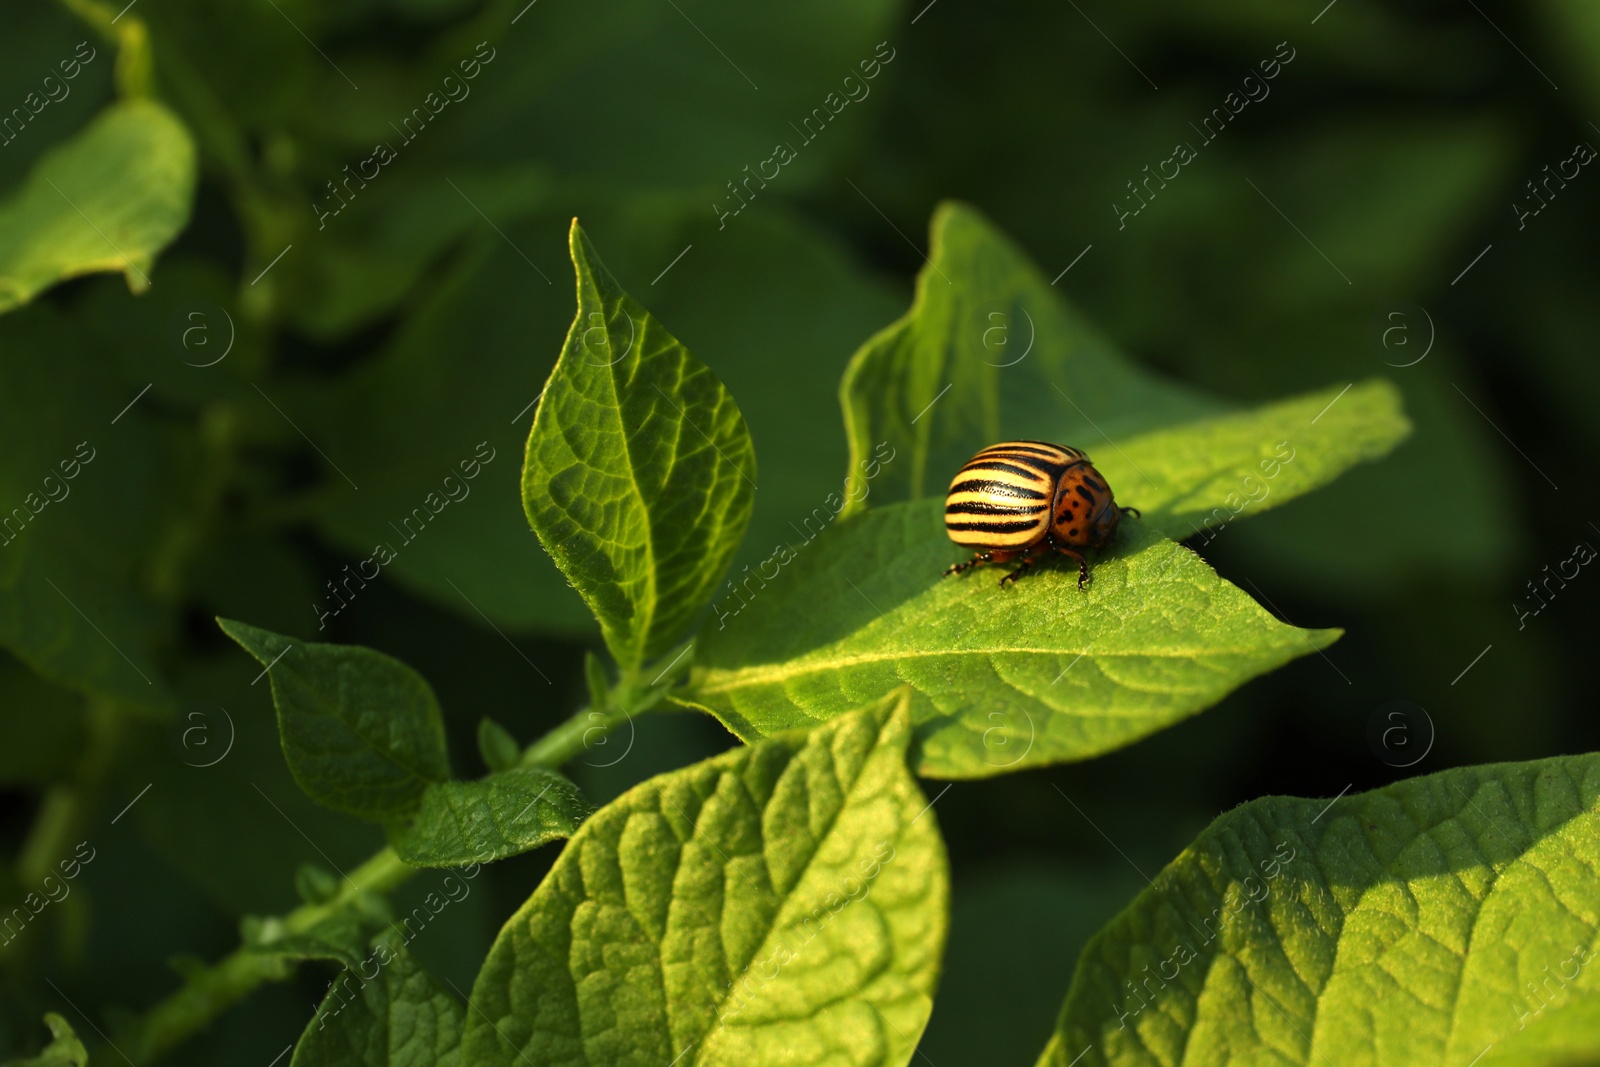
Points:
x=378 y=346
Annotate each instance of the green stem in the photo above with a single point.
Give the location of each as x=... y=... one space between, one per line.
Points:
x=631 y=696
x=567 y=740
x=132 y=40
x=210 y=990
x=63 y=813
x=381 y=873
x=67 y=805
x=219 y=438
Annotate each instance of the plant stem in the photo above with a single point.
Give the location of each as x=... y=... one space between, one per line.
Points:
x=132 y=39
x=567 y=740
x=210 y=990
x=66 y=806
x=382 y=872
x=629 y=697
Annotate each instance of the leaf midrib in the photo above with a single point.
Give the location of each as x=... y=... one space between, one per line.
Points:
x=736 y=678
x=1556 y=835
x=641 y=630
x=323 y=703
x=822 y=839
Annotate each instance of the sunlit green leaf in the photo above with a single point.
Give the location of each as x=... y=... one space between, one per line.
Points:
x=640 y=474
x=1568 y=1035
x=988 y=352
x=779 y=904
x=1210 y=472
x=1212 y=282
x=1425 y=922
x=482 y=338
x=1004 y=678
x=109 y=199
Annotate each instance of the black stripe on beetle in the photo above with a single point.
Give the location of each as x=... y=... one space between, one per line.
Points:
x=1002 y=489
x=1032 y=455
x=985 y=507
x=992 y=527
x=1020 y=467
x=1040 y=447
x=1028 y=472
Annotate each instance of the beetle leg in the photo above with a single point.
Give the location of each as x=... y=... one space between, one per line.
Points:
x=1027 y=565
x=1135 y=512
x=957 y=568
x=1083 y=565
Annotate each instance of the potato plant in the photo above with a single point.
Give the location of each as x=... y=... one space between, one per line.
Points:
x=718 y=835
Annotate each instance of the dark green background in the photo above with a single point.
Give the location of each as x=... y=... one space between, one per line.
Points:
x=413 y=327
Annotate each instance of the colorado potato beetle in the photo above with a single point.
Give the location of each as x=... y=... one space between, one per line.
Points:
x=1027 y=498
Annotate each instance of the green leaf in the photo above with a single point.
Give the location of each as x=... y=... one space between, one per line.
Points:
x=1004 y=678
x=715 y=119
x=341 y=935
x=43 y=725
x=640 y=474
x=1568 y=1035
x=1424 y=922
x=991 y=351
x=64 y=1050
x=782 y=903
x=1264 y=292
x=373 y=254
x=463 y=350
x=386 y=1011
x=315 y=884
x=988 y=351
x=78 y=607
x=109 y=199
x=1209 y=472
x=503 y=815
x=217 y=830
x=498 y=748
x=361 y=731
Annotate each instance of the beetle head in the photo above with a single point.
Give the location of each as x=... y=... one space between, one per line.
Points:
x=1103 y=525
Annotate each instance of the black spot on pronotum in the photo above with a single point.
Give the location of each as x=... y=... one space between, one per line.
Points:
x=1086 y=495
x=1072 y=532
